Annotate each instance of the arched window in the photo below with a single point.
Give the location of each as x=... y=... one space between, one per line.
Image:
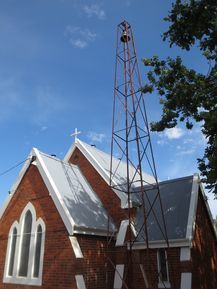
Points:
x=37 y=251
x=12 y=252
x=25 y=244
x=24 y=258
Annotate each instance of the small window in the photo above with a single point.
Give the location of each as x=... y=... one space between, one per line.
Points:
x=12 y=253
x=162 y=265
x=163 y=269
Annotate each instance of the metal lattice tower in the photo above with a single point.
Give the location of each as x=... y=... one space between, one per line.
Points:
x=131 y=143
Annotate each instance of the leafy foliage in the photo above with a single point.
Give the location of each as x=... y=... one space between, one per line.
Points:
x=186 y=95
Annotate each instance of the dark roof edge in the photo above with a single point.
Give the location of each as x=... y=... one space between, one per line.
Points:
x=175 y=180
x=154 y=186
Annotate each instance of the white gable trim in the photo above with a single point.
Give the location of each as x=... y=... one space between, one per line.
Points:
x=185 y=254
x=144 y=275
x=80 y=282
x=119 y=273
x=122 y=232
x=76 y=247
x=105 y=175
x=186 y=280
x=192 y=207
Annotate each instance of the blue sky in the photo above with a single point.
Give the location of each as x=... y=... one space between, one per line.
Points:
x=57 y=73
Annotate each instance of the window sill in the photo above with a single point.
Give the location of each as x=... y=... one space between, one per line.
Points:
x=165 y=284
x=23 y=281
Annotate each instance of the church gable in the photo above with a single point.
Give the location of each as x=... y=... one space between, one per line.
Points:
x=78 y=205
x=33 y=197
x=108 y=197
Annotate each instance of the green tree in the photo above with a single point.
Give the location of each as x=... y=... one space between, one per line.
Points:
x=187 y=95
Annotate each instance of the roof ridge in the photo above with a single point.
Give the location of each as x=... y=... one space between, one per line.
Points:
x=176 y=179
x=55 y=158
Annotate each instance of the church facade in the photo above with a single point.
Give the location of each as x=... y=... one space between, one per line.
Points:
x=63 y=226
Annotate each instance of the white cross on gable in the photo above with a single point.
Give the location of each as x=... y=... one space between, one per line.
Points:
x=76 y=133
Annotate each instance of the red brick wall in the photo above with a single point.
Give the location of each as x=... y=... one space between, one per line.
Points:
x=96 y=266
x=204 y=251
x=59 y=268
x=134 y=275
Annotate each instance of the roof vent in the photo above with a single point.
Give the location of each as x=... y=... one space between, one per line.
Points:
x=53 y=155
x=33 y=158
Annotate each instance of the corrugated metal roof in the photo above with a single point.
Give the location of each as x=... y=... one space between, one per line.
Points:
x=84 y=206
x=176 y=197
x=119 y=167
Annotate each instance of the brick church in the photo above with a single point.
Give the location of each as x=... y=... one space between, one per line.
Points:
x=63 y=226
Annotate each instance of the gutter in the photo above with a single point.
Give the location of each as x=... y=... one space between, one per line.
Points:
x=94 y=231
x=163 y=244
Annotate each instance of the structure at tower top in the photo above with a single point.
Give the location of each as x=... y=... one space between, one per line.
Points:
x=130 y=131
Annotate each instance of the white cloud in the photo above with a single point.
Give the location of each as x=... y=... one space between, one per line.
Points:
x=94 y=10
x=174 y=133
x=78 y=37
x=161 y=142
x=97 y=137
x=186 y=152
x=188 y=141
x=161 y=139
x=79 y=43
